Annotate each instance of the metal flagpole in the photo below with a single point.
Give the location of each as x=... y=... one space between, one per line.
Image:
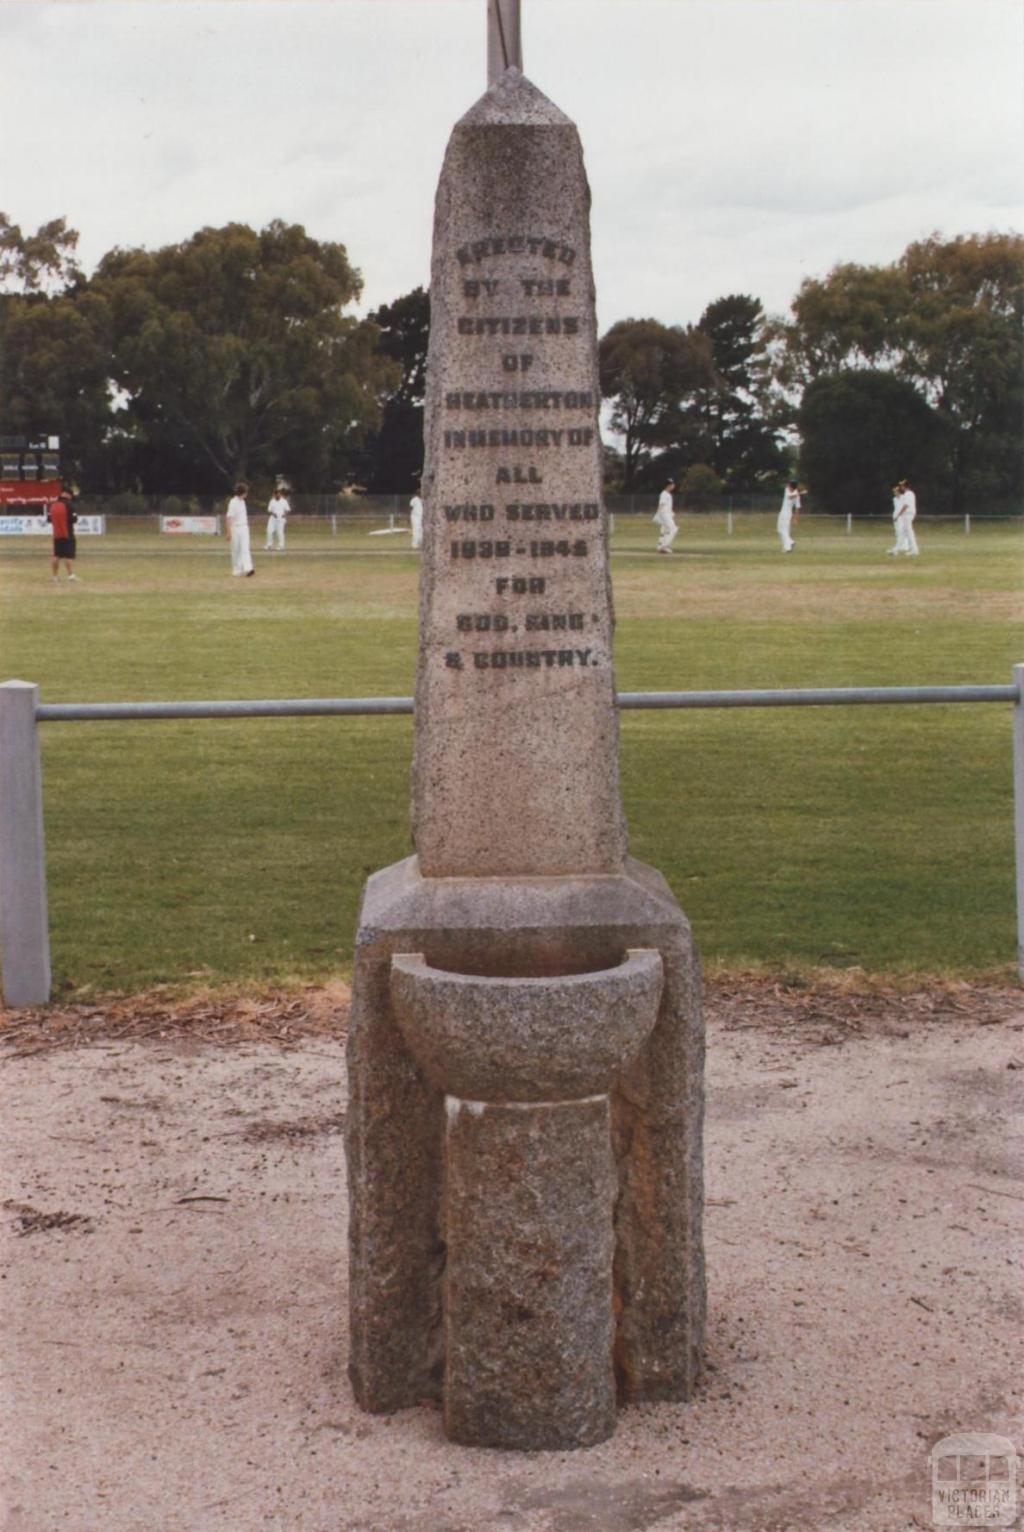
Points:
x=504 y=38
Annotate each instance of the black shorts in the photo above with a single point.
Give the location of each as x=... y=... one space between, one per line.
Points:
x=63 y=547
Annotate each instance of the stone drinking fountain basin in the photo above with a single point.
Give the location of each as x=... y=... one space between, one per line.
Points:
x=527 y=1066
x=555 y=1038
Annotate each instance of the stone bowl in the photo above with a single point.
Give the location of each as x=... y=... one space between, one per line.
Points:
x=557 y=1038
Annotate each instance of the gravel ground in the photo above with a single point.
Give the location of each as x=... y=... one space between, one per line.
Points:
x=172 y=1279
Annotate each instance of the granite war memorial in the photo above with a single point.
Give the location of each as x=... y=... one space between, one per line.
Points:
x=525 y=1048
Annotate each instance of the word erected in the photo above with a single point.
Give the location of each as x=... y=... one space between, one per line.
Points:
x=515 y=244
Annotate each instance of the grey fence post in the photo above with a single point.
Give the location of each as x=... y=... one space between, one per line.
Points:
x=1018 y=807
x=728 y=523
x=24 y=927
x=849 y=523
x=967 y=524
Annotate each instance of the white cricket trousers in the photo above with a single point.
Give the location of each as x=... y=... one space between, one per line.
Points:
x=275 y=532
x=241 y=557
x=906 y=542
x=668 y=531
x=782 y=526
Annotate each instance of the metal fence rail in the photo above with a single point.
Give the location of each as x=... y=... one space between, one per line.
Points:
x=322 y=505
x=818 y=697
x=24 y=929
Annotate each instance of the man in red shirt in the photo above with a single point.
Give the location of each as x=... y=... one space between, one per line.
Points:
x=61 y=516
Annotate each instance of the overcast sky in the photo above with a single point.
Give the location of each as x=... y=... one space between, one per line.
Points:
x=731 y=145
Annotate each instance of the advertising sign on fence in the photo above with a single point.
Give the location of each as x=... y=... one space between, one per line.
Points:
x=38 y=526
x=207 y=524
x=19 y=493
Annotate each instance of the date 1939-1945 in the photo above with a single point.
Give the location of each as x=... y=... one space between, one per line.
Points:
x=539 y=548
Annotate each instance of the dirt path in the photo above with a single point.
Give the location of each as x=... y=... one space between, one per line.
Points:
x=172 y=1280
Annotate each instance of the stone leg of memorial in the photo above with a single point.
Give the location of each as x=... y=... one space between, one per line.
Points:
x=526 y=1262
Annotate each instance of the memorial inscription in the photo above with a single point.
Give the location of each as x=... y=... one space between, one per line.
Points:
x=516 y=542
x=525 y=1049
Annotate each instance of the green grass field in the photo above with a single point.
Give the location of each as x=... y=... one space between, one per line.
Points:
x=874 y=838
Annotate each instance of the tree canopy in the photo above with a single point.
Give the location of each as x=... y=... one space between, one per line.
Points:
x=733 y=428
x=862 y=431
x=945 y=318
x=54 y=356
x=392 y=461
x=41 y=262
x=647 y=371
x=233 y=356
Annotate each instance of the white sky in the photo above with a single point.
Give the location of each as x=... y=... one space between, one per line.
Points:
x=731 y=145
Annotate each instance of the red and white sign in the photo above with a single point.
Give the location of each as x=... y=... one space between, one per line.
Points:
x=18 y=493
x=188 y=524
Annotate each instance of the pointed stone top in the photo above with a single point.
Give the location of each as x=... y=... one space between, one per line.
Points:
x=513 y=99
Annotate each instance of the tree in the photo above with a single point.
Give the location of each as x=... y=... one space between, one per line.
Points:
x=862 y=431
x=393 y=458
x=55 y=371
x=235 y=357
x=700 y=485
x=946 y=317
x=54 y=358
x=647 y=370
x=730 y=415
x=40 y=262
x=965 y=345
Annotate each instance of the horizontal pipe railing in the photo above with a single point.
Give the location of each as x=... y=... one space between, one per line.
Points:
x=287 y=707
x=24 y=926
x=818 y=696
x=348 y=707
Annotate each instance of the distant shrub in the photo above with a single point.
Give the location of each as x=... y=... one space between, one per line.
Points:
x=127 y=503
x=701 y=484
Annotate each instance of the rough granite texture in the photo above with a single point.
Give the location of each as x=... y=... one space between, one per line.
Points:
x=524 y=1131
x=528 y=1313
x=525 y=1065
x=397 y=1120
x=526 y=1039
x=516 y=766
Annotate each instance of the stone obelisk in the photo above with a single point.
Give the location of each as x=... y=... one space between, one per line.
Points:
x=525 y=1050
